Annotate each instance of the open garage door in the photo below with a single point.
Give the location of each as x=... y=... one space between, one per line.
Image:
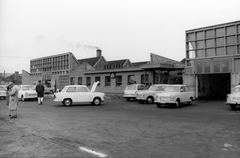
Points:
x=214 y=86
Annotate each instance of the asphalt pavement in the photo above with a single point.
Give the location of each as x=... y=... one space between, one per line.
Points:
x=117 y=129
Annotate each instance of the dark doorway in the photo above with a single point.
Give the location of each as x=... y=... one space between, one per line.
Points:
x=214 y=86
x=219 y=86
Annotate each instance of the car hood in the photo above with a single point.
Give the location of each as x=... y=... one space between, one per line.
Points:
x=29 y=91
x=94 y=86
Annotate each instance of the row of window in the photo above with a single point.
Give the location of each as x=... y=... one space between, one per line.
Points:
x=213 y=33
x=107 y=80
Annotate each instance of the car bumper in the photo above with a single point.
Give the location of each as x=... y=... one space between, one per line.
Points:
x=129 y=96
x=233 y=102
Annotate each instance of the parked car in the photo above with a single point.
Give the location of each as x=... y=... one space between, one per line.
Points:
x=49 y=90
x=3 y=93
x=79 y=94
x=27 y=92
x=148 y=95
x=233 y=99
x=130 y=91
x=174 y=94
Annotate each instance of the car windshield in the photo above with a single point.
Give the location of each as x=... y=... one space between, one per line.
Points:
x=157 y=88
x=172 y=89
x=236 y=90
x=130 y=87
x=24 y=88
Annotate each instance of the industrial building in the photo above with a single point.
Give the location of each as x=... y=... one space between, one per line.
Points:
x=213 y=59
x=64 y=69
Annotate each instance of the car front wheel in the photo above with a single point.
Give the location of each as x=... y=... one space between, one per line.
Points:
x=96 y=101
x=177 y=103
x=67 y=102
x=150 y=100
x=190 y=101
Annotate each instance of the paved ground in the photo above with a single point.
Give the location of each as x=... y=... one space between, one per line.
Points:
x=206 y=129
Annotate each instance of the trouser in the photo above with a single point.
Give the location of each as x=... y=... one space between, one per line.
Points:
x=40 y=100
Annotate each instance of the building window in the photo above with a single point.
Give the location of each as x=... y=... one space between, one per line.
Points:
x=131 y=79
x=216 y=66
x=88 y=81
x=199 y=68
x=97 y=78
x=231 y=50
x=72 y=81
x=207 y=67
x=220 y=51
x=200 y=35
x=79 y=80
x=210 y=43
x=118 y=80
x=209 y=34
x=191 y=37
x=200 y=53
x=219 y=32
x=144 y=79
x=200 y=44
x=210 y=52
x=225 y=66
x=231 y=30
x=107 y=81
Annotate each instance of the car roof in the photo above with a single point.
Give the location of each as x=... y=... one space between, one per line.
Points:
x=136 y=84
x=25 y=85
x=76 y=86
x=177 y=85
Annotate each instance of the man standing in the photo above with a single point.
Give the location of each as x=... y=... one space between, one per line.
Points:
x=40 y=90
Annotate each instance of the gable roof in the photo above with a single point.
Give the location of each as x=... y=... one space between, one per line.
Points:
x=113 y=62
x=90 y=61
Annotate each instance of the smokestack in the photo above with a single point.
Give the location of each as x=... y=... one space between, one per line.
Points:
x=99 y=52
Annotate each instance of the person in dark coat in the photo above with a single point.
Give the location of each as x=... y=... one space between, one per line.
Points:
x=40 y=90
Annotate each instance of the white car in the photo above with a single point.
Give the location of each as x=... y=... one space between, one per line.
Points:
x=233 y=99
x=174 y=94
x=130 y=91
x=3 y=93
x=27 y=92
x=148 y=95
x=79 y=94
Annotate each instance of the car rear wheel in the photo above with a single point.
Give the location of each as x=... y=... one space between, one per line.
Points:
x=96 y=101
x=177 y=103
x=190 y=101
x=233 y=107
x=128 y=99
x=150 y=100
x=51 y=92
x=67 y=102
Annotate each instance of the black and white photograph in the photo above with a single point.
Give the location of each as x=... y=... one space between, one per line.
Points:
x=119 y=79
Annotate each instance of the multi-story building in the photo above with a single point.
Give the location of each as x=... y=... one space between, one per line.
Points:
x=213 y=59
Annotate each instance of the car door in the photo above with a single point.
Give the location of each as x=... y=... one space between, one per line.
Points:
x=83 y=94
x=188 y=93
x=70 y=93
x=183 y=96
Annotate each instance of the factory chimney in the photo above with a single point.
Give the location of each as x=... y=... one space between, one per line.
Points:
x=99 y=52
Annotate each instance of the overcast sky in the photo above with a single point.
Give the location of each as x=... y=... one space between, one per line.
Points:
x=122 y=29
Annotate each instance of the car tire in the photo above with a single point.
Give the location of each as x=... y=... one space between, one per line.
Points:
x=190 y=101
x=67 y=102
x=51 y=92
x=22 y=98
x=150 y=100
x=128 y=99
x=177 y=103
x=97 y=101
x=233 y=107
x=159 y=105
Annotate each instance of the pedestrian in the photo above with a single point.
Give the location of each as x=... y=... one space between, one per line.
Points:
x=40 y=90
x=13 y=99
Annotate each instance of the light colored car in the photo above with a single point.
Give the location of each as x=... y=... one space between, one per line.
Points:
x=49 y=90
x=233 y=99
x=79 y=94
x=174 y=94
x=130 y=91
x=3 y=93
x=27 y=92
x=148 y=95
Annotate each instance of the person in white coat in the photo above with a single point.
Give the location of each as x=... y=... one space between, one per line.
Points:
x=13 y=99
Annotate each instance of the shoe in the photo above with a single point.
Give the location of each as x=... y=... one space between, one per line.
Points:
x=41 y=103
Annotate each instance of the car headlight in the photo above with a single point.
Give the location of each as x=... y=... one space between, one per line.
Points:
x=172 y=97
